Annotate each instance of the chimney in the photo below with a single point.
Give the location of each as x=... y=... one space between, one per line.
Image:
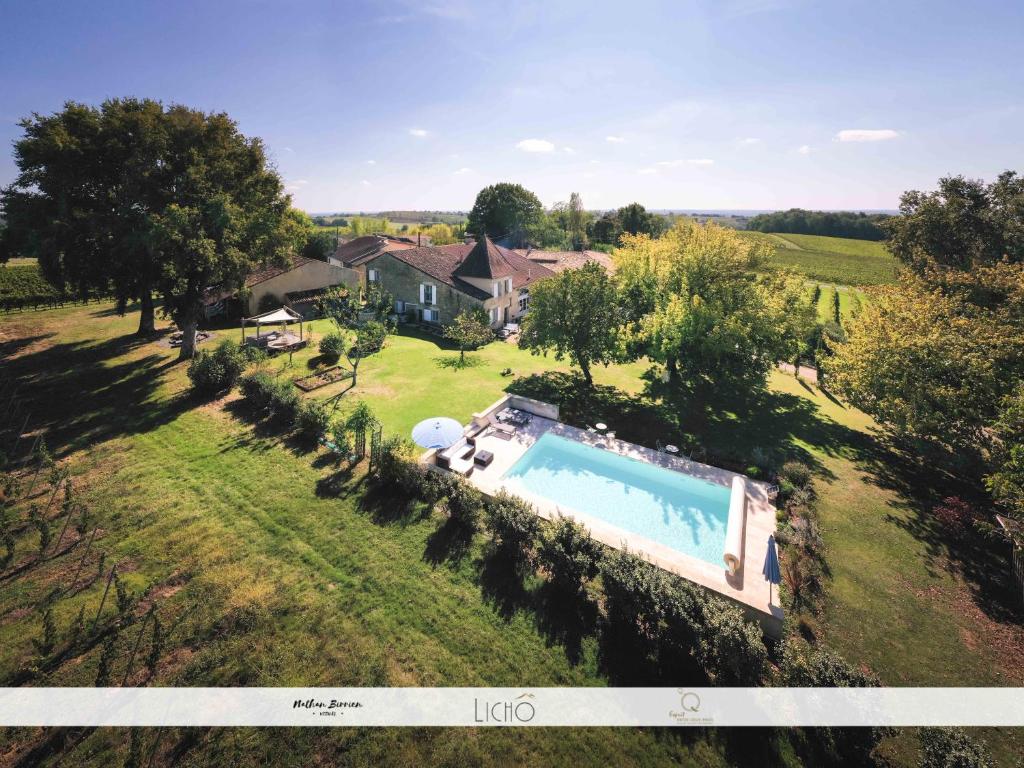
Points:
x=418 y=243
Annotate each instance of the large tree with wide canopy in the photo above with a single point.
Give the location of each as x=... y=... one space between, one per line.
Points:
x=146 y=200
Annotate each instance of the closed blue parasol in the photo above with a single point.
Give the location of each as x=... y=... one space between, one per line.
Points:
x=771 y=571
x=439 y=432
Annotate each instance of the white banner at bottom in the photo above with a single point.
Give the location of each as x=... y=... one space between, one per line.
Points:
x=474 y=707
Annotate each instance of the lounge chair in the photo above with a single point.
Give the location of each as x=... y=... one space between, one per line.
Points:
x=505 y=431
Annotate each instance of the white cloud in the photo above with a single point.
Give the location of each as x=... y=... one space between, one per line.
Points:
x=615 y=139
x=883 y=134
x=748 y=142
x=535 y=145
x=462 y=171
x=569 y=150
x=595 y=162
x=371 y=162
x=805 y=149
x=647 y=171
x=289 y=150
x=419 y=133
x=295 y=185
x=365 y=183
x=678 y=163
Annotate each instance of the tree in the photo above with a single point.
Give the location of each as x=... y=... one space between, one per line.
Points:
x=369 y=339
x=963 y=224
x=505 y=210
x=1006 y=480
x=574 y=313
x=470 y=329
x=694 y=303
x=607 y=229
x=927 y=364
x=578 y=220
x=89 y=181
x=141 y=199
x=636 y=220
x=226 y=214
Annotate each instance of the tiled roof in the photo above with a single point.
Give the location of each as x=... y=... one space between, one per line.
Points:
x=442 y=262
x=213 y=295
x=306 y=297
x=486 y=261
x=559 y=261
x=362 y=249
x=267 y=273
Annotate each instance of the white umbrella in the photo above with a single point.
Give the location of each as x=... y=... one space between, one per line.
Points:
x=438 y=432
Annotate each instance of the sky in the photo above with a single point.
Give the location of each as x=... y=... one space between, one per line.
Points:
x=726 y=104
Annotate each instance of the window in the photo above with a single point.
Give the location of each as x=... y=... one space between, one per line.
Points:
x=494 y=316
x=524 y=300
x=430 y=315
x=427 y=294
x=496 y=289
x=399 y=307
x=373 y=275
x=508 y=285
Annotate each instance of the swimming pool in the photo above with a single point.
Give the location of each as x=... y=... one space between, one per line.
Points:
x=682 y=512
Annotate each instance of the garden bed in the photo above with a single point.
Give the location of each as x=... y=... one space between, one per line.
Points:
x=322 y=378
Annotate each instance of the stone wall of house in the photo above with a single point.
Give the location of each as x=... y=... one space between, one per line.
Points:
x=403 y=282
x=312 y=274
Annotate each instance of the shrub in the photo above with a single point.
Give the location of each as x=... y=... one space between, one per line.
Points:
x=391 y=467
x=797 y=473
x=635 y=592
x=952 y=748
x=803 y=577
x=217 y=371
x=802 y=667
x=730 y=648
x=515 y=527
x=955 y=516
x=332 y=345
x=284 y=402
x=752 y=471
x=257 y=388
x=569 y=555
x=267 y=303
x=464 y=505
x=435 y=486
x=313 y=420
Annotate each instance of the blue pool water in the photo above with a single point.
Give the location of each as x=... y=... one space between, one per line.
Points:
x=682 y=512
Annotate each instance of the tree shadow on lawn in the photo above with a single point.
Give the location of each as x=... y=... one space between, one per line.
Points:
x=449 y=543
x=388 y=506
x=724 y=427
x=80 y=397
x=921 y=475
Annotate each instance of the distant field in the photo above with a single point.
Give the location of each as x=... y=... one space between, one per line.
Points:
x=837 y=260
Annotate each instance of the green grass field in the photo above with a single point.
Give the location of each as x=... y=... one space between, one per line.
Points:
x=836 y=260
x=268 y=566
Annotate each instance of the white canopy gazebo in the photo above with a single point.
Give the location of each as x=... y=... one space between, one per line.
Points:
x=283 y=317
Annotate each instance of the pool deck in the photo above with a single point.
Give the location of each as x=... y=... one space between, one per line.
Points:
x=746 y=587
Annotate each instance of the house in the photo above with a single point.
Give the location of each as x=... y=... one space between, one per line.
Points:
x=559 y=261
x=300 y=282
x=433 y=284
x=355 y=253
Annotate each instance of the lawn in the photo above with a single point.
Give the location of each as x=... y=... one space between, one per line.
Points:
x=270 y=567
x=838 y=260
